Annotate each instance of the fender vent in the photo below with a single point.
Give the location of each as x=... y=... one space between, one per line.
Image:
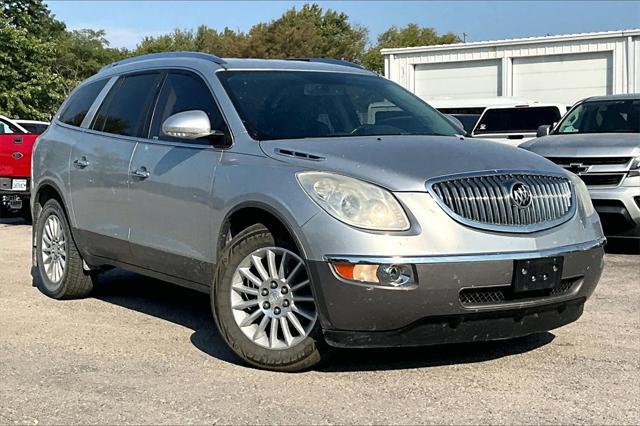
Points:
x=298 y=154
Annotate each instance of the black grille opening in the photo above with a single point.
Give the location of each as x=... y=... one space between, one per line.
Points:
x=602 y=179
x=590 y=161
x=503 y=294
x=614 y=216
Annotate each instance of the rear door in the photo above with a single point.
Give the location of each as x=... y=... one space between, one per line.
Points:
x=99 y=169
x=171 y=225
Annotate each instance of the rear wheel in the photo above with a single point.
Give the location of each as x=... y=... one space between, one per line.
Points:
x=263 y=303
x=59 y=261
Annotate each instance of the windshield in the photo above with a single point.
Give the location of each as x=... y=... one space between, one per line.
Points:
x=619 y=116
x=303 y=104
x=516 y=120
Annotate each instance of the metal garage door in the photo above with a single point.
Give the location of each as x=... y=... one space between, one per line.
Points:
x=472 y=79
x=563 y=78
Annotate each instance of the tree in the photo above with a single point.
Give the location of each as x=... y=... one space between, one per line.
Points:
x=307 y=32
x=28 y=87
x=31 y=15
x=409 y=36
x=40 y=61
x=81 y=53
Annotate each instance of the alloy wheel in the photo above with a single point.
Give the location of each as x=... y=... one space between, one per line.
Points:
x=271 y=298
x=54 y=249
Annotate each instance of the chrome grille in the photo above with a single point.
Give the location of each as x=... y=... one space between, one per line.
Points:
x=487 y=201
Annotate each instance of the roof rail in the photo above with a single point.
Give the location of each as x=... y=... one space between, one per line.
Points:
x=161 y=55
x=329 y=61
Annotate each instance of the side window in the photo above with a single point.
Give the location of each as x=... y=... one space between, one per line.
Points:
x=184 y=92
x=80 y=102
x=8 y=128
x=126 y=108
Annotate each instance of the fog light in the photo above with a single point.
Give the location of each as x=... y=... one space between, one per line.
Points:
x=395 y=275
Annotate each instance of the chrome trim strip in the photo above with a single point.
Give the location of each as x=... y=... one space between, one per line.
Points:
x=456 y=258
x=515 y=226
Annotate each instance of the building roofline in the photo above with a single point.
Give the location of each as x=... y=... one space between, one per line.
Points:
x=513 y=41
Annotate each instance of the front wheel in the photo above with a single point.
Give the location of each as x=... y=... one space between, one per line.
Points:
x=263 y=303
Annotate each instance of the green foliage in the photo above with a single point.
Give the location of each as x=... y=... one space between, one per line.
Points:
x=28 y=86
x=409 y=36
x=308 y=32
x=31 y=15
x=41 y=61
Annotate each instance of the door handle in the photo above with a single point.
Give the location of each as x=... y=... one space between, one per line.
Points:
x=81 y=163
x=141 y=173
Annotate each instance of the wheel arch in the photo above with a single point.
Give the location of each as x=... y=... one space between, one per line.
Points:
x=47 y=190
x=251 y=212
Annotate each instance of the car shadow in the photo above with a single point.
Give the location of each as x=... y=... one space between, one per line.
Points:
x=13 y=220
x=349 y=360
x=191 y=309
x=621 y=246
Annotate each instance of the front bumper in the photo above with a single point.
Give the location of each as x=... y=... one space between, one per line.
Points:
x=440 y=309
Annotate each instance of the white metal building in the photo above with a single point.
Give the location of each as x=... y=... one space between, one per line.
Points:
x=562 y=68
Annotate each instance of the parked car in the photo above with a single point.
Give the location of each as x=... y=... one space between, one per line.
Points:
x=266 y=184
x=35 y=127
x=16 y=144
x=516 y=124
x=468 y=111
x=598 y=140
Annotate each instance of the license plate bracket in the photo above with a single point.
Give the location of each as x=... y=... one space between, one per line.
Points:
x=537 y=274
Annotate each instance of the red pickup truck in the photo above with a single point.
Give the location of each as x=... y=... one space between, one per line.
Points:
x=16 y=145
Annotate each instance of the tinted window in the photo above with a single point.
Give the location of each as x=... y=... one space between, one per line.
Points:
x=34 y=128
x=302 y=104
x=622 y=116
x=468 y=120
x=126 y=108
x=80 y=102
x=462 y=110
x=509 y=120
x=184 y=92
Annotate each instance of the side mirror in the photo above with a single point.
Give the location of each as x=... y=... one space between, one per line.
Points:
x=456 y=123
x=543 y=130
x=189 y=125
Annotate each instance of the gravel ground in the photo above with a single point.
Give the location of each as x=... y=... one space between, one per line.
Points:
x=142 y=351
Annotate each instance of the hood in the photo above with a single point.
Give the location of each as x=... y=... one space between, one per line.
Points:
x=404 y=163
x=586 y=145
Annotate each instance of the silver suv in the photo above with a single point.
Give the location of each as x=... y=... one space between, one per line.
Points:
x=311 y=218
x=599 y=140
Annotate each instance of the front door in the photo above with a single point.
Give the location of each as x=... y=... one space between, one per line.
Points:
x=171 y=184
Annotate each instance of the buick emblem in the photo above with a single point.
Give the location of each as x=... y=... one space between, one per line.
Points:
x=17 y=155
x=520 y=195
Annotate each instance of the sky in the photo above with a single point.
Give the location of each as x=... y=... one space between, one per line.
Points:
x=127 y=22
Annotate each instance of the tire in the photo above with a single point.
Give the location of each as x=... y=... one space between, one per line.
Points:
x=286 y=352
x=71 y=282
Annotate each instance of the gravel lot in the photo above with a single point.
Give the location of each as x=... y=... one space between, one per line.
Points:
x=142 y=351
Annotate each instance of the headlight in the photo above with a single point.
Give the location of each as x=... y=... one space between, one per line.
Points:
x=582 y=194
x=354 y=202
